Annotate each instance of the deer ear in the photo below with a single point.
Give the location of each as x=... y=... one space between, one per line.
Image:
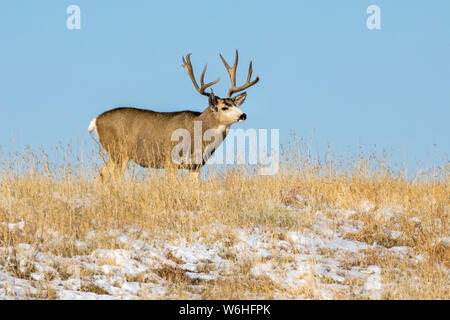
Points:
x=212 y=99
x=238 y=100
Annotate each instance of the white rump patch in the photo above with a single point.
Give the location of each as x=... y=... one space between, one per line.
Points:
x=93 y=125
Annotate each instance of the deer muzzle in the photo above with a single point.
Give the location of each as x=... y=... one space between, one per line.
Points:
x=243 y=117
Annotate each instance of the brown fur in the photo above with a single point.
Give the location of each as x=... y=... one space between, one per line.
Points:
x=144 y=136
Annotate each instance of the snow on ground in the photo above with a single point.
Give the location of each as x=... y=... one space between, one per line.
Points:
x=317 y=258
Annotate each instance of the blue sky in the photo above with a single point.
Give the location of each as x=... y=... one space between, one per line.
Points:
x=322 y=71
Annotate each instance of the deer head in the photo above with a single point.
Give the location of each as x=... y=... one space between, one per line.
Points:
x=225 y=110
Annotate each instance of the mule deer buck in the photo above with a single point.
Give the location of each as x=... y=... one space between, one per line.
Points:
x=146 y=137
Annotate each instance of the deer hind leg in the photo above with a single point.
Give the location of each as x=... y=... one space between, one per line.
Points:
x=113 y=169
x=120 y=169
x=105 y=171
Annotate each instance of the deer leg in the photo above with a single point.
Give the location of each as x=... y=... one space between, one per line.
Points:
x=194 y=175
x=106 y=170
x=113 y=169
x=119 y=169
x=171 y=172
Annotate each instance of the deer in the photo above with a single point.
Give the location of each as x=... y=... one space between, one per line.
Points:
x=145 y=137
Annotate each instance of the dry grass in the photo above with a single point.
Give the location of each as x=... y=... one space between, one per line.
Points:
x=60 y=204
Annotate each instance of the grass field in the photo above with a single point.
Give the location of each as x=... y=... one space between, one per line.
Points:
x=331 y=229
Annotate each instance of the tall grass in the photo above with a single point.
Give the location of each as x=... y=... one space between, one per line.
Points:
x=64 y=197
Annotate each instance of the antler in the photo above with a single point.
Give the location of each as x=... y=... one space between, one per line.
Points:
x=232 y=73
x=188 y=66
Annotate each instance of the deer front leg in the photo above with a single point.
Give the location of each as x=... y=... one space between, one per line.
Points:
x=171 y=172
x=194 y=175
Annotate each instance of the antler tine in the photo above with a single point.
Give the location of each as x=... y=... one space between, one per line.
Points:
x=232 y=73
x=205 y=86
x=250 y=71
x=187 y=65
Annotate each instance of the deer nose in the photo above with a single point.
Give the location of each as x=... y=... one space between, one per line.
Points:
x=243 y=116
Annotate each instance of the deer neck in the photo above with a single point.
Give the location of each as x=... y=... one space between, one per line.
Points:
x=209 y=121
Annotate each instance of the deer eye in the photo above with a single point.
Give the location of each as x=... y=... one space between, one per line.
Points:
x=224 y=108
